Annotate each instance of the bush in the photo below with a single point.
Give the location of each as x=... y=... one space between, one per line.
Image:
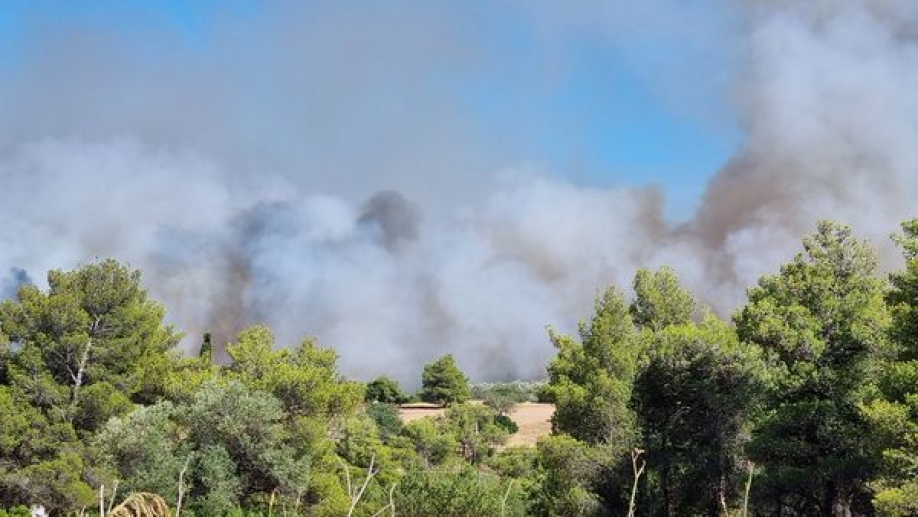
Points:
x=467 y=492
x=386 y=418
x=502 y=397
x=16 y=511
x=505 y=422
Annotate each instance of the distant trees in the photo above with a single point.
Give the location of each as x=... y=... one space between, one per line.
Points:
x=442 y=382
x=502 y=397
x=384 y=390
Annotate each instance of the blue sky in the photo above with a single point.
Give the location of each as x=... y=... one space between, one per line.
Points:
x=620 y=101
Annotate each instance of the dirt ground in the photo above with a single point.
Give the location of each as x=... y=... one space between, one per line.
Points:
x=411 y=412
x=533 y=419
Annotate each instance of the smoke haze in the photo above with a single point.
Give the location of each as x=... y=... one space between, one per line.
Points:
x=334 y=189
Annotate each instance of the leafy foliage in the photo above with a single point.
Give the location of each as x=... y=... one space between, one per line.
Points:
x=591 y=381
x=660 y=300
x=86 y=349
x=444 y=383
x=823 y=323
x=816 y=383
x=385 y=390
x=895 y=417
x=467 y=492
x=694 y=399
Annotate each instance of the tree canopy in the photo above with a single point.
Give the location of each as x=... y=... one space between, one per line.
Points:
x=443 y=382
x=804 y=404
x=823 y=325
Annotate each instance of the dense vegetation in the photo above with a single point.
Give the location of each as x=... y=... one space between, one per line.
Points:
x=806 y=403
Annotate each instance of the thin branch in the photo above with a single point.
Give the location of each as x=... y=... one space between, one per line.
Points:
x=635 y=455
x=181 y=487
x=391 y=504
x=748 y=487
x=366 y=482
x=503 y=502
x=78 y=380
x=111 y=500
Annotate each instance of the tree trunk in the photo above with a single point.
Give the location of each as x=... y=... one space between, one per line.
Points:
x=841 y=505
x=722 y=496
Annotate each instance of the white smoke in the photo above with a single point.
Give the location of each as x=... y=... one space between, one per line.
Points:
x=400 y=250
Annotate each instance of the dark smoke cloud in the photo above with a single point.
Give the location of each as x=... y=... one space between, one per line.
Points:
x=392 y=217
x=16 y=278
x=290 y=189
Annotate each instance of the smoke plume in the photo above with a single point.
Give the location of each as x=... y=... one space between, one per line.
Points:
x=15 y=279
x=381 y=224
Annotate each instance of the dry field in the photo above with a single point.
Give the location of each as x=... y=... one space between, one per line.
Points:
x=534 y=419
x=414 y=411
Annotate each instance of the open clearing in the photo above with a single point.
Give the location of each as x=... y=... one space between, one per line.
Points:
x=533 y=419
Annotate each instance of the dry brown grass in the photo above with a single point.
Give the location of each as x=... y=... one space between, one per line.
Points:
x=142 y=504
x=533 y=419
x=417 y=410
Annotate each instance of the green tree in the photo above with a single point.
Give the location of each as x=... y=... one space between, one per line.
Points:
x=433 y=446
x=231 y=441
x=316 y=399
x=694 y=399
x=570 y=474
x=386 y=418
x=86 y=349
x=89 y=341
x=304 y=378
x=476 y=428
x=503 y=397
x=823 y=324
x=591 y=381
x=895 y=418
x=385 y=390
x=442 y=382
x=660 y=300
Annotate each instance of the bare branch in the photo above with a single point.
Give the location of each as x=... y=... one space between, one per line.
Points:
x=503 y=502
x=391 y=504
x=78 y=380
x=111 y=500
x=181 y=487
x=636 y=454
x=748 y=487
x=356 y=498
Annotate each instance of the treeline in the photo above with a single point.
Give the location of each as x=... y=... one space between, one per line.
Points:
x=806 y=403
